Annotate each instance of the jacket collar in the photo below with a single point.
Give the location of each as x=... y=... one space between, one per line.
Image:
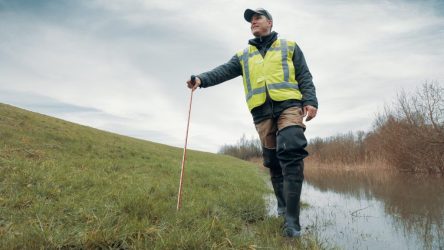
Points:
x=263 y=41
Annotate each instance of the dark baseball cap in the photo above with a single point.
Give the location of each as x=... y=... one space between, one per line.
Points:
x=248 y=14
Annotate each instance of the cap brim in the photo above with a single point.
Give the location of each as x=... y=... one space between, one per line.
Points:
x=248 y=14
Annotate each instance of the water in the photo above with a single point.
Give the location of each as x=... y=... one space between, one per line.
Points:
x=374 y=210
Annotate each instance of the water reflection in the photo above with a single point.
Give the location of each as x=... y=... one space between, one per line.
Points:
x=376 y=209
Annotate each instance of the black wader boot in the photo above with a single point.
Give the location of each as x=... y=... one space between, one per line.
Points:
x=292 y=190
x=277 y=179
x=290 y=151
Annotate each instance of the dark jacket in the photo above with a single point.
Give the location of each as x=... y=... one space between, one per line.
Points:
x=270 y=108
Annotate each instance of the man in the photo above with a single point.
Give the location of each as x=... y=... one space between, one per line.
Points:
x=280 y=93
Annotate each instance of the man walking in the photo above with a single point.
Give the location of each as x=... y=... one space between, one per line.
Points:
x=279 y=92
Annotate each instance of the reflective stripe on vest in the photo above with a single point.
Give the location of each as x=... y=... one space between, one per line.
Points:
x=275 y=72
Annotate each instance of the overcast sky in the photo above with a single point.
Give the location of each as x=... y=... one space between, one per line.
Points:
x=121 y=66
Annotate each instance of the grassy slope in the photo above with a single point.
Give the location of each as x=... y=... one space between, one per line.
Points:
x=66 y=185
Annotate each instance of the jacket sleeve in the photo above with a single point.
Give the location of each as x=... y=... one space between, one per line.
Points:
x=304 y=78
x=222 y=73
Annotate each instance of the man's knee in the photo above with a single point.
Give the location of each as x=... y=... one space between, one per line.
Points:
x=270 y=158
x=291 y=143
x=294 y=172
x=276 y=175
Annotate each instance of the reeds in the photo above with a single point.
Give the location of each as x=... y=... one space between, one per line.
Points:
x=407 y=136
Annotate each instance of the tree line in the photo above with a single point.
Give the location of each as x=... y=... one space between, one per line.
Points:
x=245 y=149
x=407 y=136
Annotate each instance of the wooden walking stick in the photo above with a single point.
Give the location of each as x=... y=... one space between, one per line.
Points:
x=184 y=156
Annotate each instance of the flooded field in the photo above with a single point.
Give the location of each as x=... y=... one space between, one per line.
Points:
x=374 y=210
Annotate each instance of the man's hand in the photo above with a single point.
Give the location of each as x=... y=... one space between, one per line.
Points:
x=194 y=85
x=310 y=112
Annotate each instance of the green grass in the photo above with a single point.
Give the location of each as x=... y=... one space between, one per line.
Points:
x=64 y=185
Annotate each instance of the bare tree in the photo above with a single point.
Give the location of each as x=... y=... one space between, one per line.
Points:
x=408 y=135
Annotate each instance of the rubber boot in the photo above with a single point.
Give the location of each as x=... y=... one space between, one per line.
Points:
x=292 y=194
x=290 y=152
x=277 y=180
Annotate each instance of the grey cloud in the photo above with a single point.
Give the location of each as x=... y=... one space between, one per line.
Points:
x=41 y=103
x=153 y=45
x=360 y=53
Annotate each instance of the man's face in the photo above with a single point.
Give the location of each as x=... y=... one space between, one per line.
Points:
x=260 y=25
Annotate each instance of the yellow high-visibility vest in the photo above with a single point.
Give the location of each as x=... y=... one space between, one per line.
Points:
x=274 y=73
